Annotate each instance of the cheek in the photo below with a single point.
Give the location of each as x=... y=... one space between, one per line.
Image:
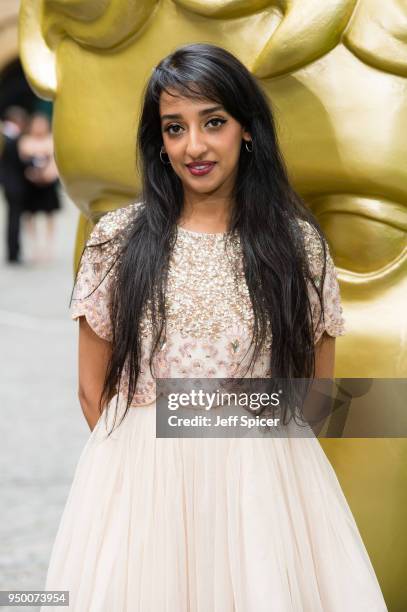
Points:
x=174 y=148
x=230 y=143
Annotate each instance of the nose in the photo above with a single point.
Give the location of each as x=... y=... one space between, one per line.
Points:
x=196 y=145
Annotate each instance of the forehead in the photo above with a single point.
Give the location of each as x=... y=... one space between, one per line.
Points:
x=39 y=121
x=174 y=102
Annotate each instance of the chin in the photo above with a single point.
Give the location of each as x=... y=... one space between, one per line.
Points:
x=202 y=189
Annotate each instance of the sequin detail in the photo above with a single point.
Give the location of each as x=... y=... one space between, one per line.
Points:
x=97 y=269
x=208 y=308
x=206 y=289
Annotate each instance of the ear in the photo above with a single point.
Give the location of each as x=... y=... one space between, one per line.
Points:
x=37 y=58
x=246 y=136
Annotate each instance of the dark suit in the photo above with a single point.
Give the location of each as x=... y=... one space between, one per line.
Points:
x=14 y=191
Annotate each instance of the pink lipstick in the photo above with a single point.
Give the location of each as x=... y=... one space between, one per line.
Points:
x=200 y=168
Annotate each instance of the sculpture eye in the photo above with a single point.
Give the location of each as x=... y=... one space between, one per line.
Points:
x=96 y=23
x=224 y=9
x=377 y=34
x=300 y=31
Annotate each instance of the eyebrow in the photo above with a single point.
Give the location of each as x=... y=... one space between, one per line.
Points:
x=205 y=111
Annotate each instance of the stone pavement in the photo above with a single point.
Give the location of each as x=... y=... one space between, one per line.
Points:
x=42 y=427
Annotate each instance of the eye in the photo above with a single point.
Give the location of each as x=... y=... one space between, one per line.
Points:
x=173 y=129
x=216 y=120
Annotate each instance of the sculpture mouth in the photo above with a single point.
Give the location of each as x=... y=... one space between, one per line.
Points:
x=367 y=234
x=374 y=206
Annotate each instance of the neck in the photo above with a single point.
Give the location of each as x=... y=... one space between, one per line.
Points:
x=206 y=212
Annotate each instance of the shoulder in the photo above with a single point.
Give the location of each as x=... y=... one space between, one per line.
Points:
x=313 y=240
x=103 y=249
x=317 y=251
x=112 y=224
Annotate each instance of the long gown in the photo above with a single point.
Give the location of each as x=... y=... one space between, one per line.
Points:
x=205 y=524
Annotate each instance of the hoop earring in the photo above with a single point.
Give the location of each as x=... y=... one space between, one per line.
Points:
x=166 y=163
x=246 y=144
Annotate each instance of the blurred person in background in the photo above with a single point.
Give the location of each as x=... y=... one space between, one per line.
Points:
x=36 y=152
x=12 y=177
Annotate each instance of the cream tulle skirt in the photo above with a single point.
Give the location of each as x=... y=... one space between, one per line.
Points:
x=207 y=525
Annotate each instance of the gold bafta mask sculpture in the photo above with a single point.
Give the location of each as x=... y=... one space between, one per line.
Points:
x=336 y=75
x=8 y=32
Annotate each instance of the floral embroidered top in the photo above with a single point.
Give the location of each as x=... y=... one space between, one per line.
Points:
x=208 y=309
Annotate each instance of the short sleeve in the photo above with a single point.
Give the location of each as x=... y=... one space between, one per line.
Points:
x=332 y=320
x=92 y=292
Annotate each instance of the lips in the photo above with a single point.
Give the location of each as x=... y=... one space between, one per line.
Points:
x=200 y=168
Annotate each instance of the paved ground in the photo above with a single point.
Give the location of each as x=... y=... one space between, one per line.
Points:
x=41 y=423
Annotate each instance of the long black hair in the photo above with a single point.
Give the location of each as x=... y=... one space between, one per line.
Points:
x=266 y=213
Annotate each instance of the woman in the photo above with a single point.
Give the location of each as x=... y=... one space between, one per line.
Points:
x=219 y=252
x=36 y=152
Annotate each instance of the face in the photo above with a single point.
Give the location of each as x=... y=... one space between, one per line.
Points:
x=203 y=143
x=39 y=127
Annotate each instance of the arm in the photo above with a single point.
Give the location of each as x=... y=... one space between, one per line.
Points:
x=43 y=176
x=326 y=328
x=94 y=355
x=325 y=356
x=317 y=406
x=90 y=304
